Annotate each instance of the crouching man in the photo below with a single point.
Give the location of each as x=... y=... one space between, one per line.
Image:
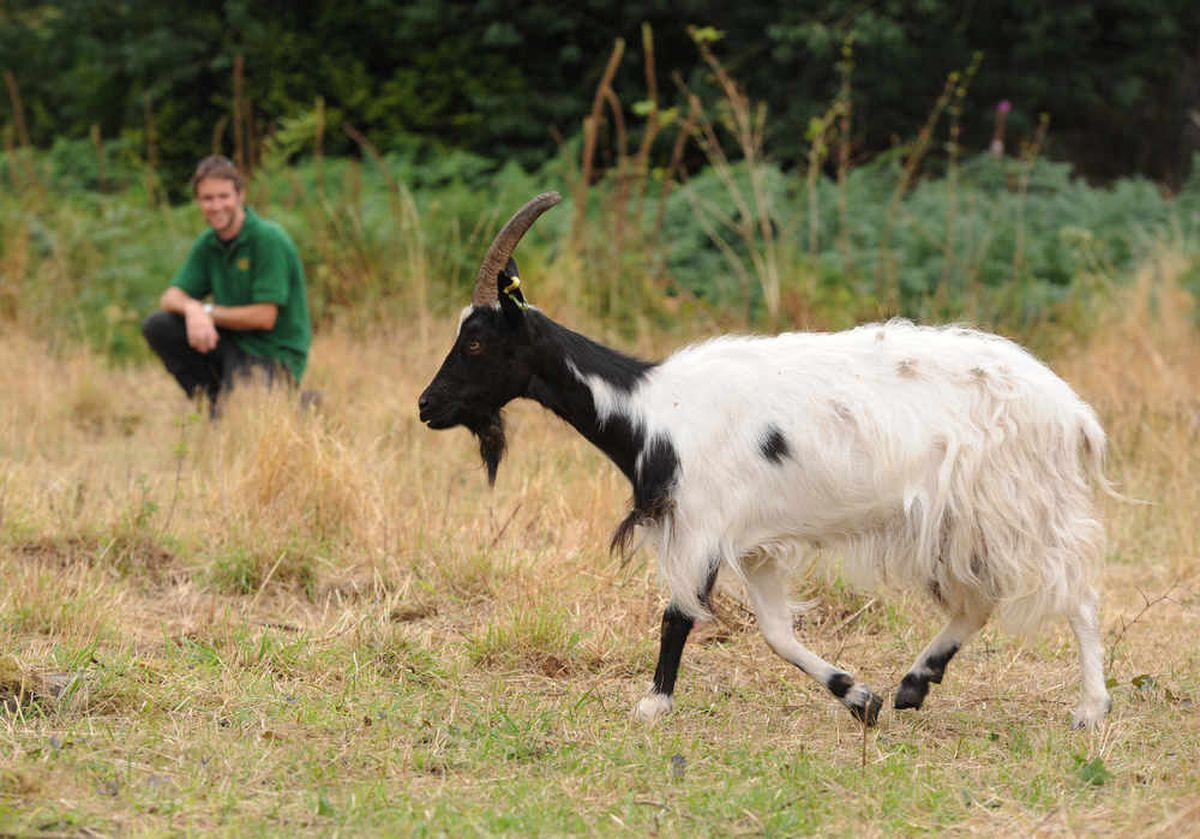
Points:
x=238 y=306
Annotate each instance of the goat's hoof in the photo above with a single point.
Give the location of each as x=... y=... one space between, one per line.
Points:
x=912 y=692
x=1088 y=714
x=650 y=708
x=863 y=703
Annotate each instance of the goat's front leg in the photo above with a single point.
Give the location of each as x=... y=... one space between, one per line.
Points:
x=767 y=585
x=676 y=625
x=675 y=628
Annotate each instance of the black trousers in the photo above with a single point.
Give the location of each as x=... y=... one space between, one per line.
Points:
x=212 y=373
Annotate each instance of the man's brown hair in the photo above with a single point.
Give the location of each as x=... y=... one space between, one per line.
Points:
x=217 y=166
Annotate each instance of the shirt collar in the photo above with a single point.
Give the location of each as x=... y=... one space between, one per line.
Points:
x=249 y=224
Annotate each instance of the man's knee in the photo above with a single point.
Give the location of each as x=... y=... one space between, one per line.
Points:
x=162 y=328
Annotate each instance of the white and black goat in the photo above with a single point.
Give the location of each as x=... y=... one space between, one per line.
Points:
x=944 y=459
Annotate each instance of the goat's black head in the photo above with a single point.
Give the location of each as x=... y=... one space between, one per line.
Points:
x=489 y=364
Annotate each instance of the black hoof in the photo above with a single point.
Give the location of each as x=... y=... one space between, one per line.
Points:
x=912 y=692
x=868 y=712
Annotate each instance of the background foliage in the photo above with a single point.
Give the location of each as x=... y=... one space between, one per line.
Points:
x=509 y=80
x=762 y=165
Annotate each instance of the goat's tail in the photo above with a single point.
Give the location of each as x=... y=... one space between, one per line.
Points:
x=1093 y=444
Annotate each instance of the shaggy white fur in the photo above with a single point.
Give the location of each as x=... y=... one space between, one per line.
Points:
x=942 y=459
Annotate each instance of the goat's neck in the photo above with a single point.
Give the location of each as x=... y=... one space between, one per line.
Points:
x=568 y=369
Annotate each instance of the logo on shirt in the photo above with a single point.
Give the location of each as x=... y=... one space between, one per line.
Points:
x=243 y=263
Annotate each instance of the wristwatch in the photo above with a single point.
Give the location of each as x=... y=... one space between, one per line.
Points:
x=208 y=307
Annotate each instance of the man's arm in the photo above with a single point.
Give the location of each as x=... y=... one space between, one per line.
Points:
x=202 y=323
x=241 y=318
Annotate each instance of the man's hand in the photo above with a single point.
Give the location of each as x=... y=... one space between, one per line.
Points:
x=201 y=331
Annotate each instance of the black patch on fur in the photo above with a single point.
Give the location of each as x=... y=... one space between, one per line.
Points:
x=936 y=664
x=840 y=683
x=675 y=628
x=774 y=446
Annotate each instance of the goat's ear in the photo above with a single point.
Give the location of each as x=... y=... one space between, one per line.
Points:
x=513 y=309
x=512 y=301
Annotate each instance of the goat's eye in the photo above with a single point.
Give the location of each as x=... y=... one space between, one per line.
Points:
x=473 y=348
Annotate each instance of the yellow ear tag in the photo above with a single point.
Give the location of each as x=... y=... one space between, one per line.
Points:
x=513 y=286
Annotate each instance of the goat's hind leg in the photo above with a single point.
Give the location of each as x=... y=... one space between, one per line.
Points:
x=930 y=665
x=767 y=585
x=1094 y=702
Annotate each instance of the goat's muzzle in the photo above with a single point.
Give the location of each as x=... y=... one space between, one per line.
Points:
x=435 y=413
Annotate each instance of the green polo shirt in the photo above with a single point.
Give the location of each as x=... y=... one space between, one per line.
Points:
x=260 y=265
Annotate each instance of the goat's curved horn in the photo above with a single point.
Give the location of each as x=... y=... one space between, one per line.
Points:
x=505 y=243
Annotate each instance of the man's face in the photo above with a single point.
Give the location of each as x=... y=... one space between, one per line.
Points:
x=223 y=206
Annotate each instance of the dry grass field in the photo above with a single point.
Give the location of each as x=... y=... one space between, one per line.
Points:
x=324 y=622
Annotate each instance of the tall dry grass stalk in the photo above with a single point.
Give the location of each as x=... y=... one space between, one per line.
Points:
x=1029 y=154
x=409 y=257
x=101 y=163
x=674 y=171
x=887 y=277
x=654 y=124
x=18 y=108
x=21 y=130
x=752 y=219
x=591 y=134
x=623 y=252
x=820 y=131
x=844 y=107
x=239 y=133
x=153 y=186
x=950 y=267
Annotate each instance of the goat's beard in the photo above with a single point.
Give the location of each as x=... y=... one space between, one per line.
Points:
x=490 y=431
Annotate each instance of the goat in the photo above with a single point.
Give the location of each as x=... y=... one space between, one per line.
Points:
x=944 y=459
